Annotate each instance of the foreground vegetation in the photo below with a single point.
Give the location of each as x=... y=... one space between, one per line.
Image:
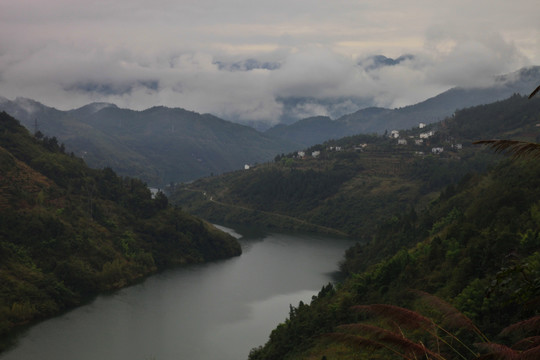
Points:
x=68 y=232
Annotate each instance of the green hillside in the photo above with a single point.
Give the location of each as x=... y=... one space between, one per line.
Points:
x=68 y=232
x=356 y=182
x=461 y=224
x=477 y=246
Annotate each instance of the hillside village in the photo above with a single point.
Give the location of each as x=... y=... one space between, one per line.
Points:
x=420 y=141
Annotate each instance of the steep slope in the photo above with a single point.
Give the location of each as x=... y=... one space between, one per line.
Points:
x=355 y=183
x=184 y=145
x=159 y=145
x=477 y=247
x=68 y=232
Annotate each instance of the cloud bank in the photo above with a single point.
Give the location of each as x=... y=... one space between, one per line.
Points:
x=254 y=61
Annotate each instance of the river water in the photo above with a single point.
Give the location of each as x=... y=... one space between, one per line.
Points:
x=215 y=311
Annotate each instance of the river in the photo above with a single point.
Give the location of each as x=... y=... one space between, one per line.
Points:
x=214 y=311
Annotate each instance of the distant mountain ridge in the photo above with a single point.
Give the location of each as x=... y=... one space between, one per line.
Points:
x=159 y=145
x=353 y=183
x=378 y=120
x=162 y=145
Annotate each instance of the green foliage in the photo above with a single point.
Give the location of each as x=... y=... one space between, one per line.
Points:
x=291 y=191
x=496 y=120
x=433 y=223
x=476 y=245
x=68 y=232
x=350 y=194
x=369 y=179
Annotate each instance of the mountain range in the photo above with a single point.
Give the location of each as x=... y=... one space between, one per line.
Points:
x=162 y=145
x=159 y=145
x=315 y=130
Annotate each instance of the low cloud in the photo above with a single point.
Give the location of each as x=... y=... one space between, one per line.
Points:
x=249 y=65
x=321 y=82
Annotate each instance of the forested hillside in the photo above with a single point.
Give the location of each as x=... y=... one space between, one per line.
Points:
x=462 y=224
x=159 y=145
x=68 y=232
x=352 y=184
x=477 y=246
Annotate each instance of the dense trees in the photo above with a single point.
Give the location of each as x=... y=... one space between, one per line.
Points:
x=477 y=245
x=68 y=231
x=292 y=191
x=357 y=183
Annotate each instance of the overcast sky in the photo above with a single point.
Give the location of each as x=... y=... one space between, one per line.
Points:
x=192 y=53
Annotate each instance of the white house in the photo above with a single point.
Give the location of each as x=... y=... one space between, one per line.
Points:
x=427 y=135
x=316 y=153
x=360 y=147
x=437 y=150
x=421 y=125
x=394 y=134
x=418 y=141
x=402 y=142
x=247 y=167
x=301 y=154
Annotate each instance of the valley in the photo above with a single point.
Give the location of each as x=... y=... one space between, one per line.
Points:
x=354 y=183
x=285 y=180
x=442 y=216
x=232 y=304
x=419 y=204
x=162 y=145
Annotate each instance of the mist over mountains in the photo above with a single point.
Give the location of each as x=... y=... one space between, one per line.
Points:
x=315 y=130
x=162 y=145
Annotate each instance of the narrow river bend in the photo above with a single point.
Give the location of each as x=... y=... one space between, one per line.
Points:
x=216 y=311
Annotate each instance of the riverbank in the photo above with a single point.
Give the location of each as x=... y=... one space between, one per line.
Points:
x=232 y=304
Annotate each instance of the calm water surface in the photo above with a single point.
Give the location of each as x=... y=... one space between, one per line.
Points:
x=216 y=311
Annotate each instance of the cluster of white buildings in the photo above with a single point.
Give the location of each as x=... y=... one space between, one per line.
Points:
x=394 y=134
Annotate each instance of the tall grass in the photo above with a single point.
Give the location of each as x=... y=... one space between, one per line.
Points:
x=393 y=332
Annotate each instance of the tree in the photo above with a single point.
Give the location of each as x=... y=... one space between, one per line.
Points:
x=161 y=202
